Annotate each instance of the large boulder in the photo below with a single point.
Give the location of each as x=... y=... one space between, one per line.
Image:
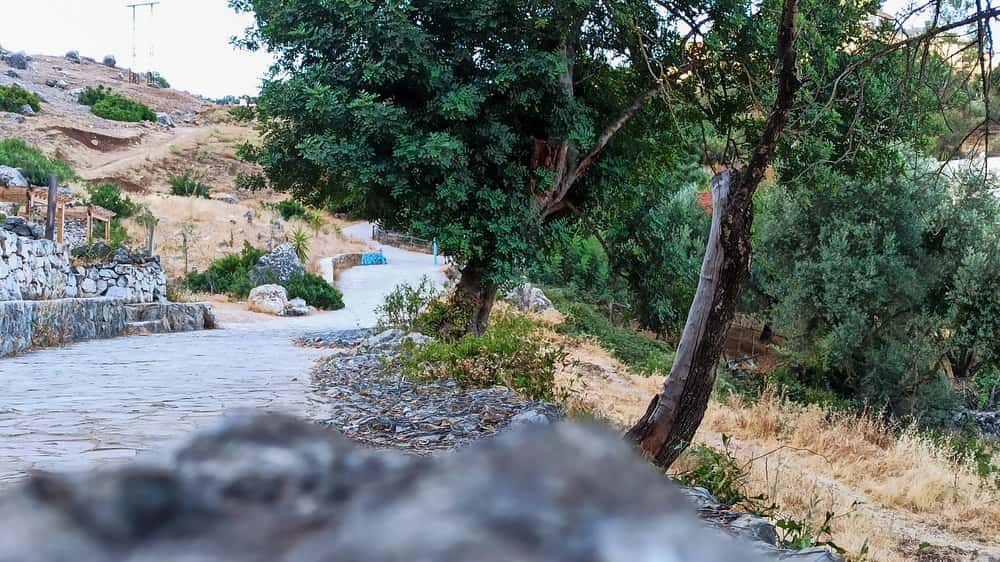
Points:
x=18 y=60
x=528 y=298
x=73 y=56
x=275 y=489
x=164 y=119
x=109 y=60
x=268 y=299
x=279 y=265
x=12 y=177
x=26 y=110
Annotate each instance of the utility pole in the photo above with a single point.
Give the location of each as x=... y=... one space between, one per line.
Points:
x=133 y=7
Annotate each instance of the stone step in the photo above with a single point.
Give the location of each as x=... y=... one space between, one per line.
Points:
x=143 y=312
x=145 y=327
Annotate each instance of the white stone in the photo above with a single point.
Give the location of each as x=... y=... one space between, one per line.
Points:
x=269 y=299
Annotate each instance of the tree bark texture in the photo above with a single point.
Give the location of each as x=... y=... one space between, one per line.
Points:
x=676 y=412
x=673 y=415
x=476 y=295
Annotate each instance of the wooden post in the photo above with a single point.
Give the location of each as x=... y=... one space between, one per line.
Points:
x=107 y=231
x=28 y=205
x=61 y=224
x=50 y=211
x=90 y=225
x=151 y=238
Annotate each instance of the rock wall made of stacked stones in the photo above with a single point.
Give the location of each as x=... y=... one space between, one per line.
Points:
x=25 y=325
x=133 y=283
x=34 y=269
x=28 y=324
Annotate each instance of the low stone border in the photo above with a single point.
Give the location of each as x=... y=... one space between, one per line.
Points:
x=26 y=325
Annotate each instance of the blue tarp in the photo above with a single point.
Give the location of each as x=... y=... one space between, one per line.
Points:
x=374 y=258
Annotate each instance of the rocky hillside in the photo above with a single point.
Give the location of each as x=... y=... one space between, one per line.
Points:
x=142 y=158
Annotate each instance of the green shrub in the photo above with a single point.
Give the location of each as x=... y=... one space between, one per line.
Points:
x=721 y=474
x=35 y=166
x=512 y=352
x=227 y=275
x=110 y=196
x=231 y=275
x=404 y=304
x=242 y=113
x=641 y=353
x=13 y=97
x=91 y=95
x=250 y=182
x=189 y=184
x=118 y=108
x=290 y=208
x=314 y=290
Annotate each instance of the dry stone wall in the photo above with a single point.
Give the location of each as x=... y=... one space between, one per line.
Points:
x=133 y=283
x=34 y=269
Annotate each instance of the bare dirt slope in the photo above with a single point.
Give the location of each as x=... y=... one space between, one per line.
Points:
x=142 y=158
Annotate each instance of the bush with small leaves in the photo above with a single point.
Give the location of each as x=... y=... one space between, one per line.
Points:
x=13 y=97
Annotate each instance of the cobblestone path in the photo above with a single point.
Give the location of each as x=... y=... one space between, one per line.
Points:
x=109 y=401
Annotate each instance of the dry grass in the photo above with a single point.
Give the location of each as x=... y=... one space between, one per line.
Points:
x=891 y=490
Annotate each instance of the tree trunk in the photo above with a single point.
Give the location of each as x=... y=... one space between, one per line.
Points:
x=477 y=296
x=676 y=412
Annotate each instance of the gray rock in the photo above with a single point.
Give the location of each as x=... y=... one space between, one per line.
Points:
x=528 y=298
x=26 y=110
x=12 y=177
x=18 y=60
x=164 y=120
x=279 y=265
x=529 y=417
x=73 y=56
x=268 y=299
x=298 y=307
x=11 y=73
x=278 y=490
x=109 y=60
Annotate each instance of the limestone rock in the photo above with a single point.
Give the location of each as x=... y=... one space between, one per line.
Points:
x=298 y=307
x=73 y=56
x=109 y=60
x=11 y=73
x=53 y=83
x=279 y=265
x=18 y=60
x=528 y=298
x=26 y=110
x=12 y=177
x=275 y=489
x=164 y=120
x=268 y=299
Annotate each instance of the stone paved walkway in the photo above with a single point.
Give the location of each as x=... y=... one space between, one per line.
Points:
x=109 y=401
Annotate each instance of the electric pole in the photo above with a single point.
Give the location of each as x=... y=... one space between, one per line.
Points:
x=150 y=34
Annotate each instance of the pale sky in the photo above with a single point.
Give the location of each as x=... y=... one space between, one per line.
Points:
x=190 y=39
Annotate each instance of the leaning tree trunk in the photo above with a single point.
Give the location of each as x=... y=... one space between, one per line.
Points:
x=675 y=413
x=475 y=296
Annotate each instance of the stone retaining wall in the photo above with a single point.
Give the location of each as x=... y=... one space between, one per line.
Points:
x=31 y=324
x=34 y=269
x=133 y=283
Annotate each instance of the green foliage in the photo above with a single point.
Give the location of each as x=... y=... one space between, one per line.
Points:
x=110 y=196
x=512 y=352
x=580 y=264
x=228 y=275
x=967 y=446
x=300 y=243
x=13 y=97
x=35 y=166
x=721 y=474
x=250 y=182
x=115 y=107
x=189 y=184
x=314 y=290
x=243 y=113
x=643 y=354
x=872 y=298
x=98 y=252
x=405 y=303
x=90 y=95
x=290 y=209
